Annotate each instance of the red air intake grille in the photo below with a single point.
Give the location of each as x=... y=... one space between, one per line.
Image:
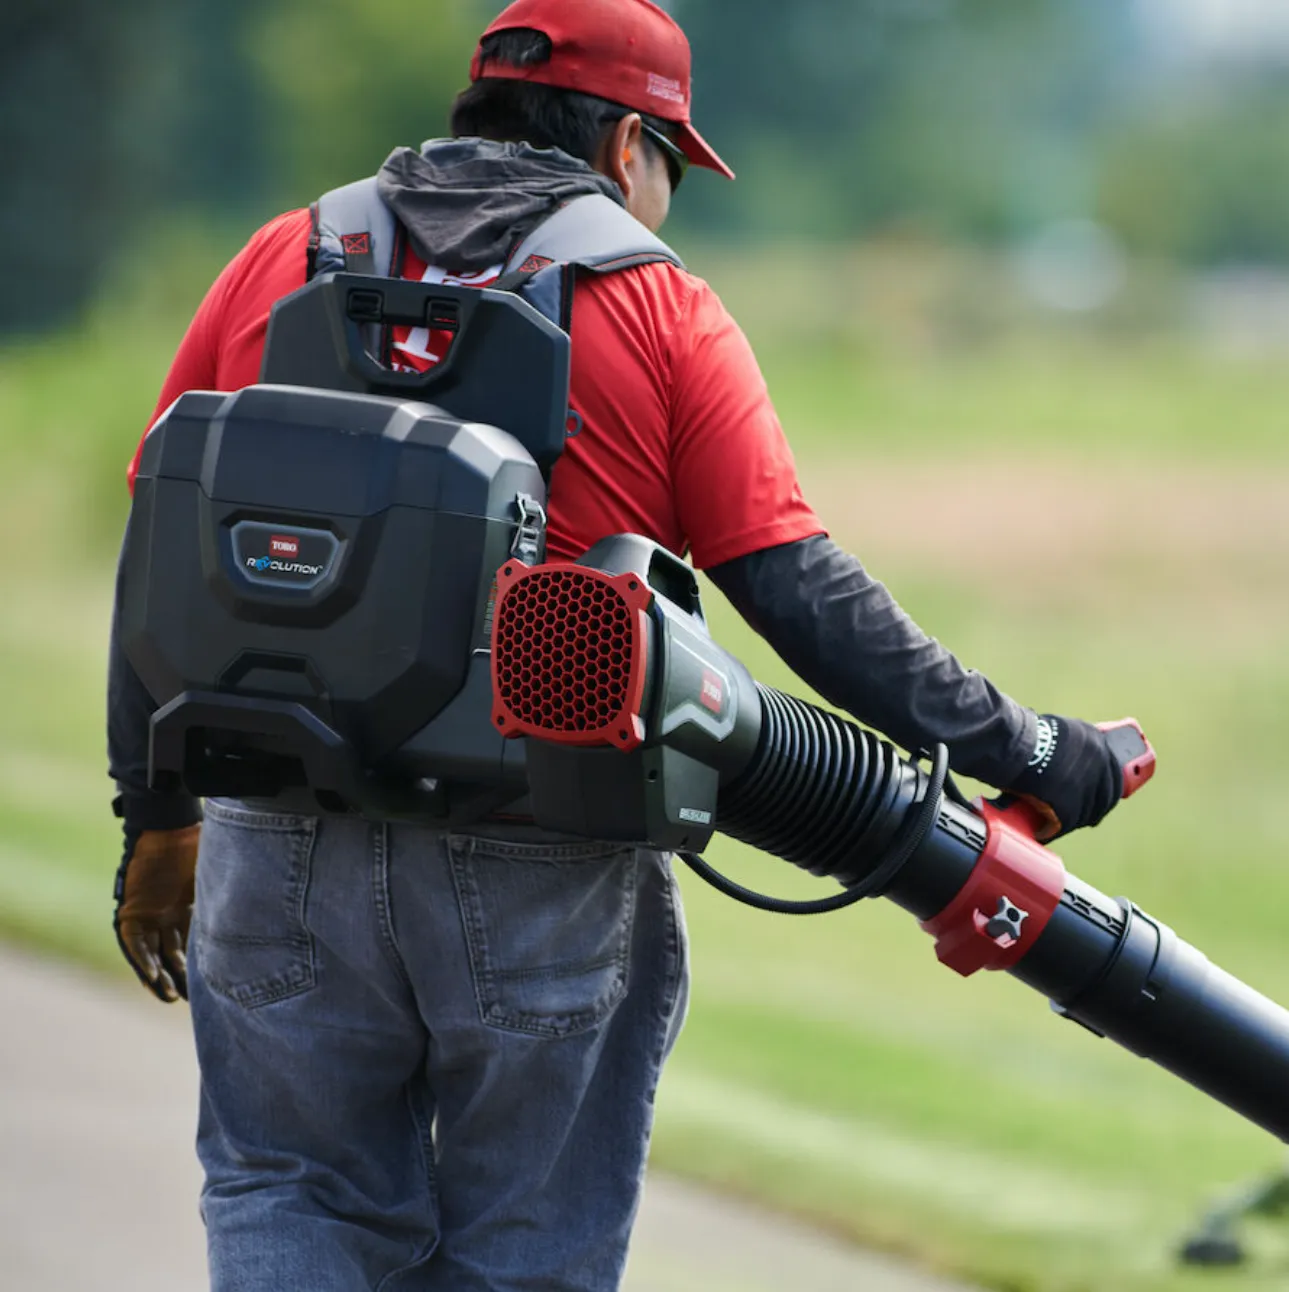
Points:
x=568 y=654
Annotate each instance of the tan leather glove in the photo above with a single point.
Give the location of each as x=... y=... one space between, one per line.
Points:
x=154 y=895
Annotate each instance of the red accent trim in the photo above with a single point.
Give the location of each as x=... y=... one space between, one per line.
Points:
x=1011 y=865
x=534 y=649
x=712 y=695
x=534 y=264
x=1139 y=767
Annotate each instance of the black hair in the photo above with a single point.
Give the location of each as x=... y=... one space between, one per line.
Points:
x=544 y=116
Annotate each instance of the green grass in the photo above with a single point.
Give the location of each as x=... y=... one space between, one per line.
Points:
x=1080 y=400
x=58 y=842
x=915 y=351
x=830 y=1066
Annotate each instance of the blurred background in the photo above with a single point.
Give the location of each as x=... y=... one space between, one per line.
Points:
x=1018 y=274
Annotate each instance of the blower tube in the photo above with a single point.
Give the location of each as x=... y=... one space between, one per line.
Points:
x=641 y=728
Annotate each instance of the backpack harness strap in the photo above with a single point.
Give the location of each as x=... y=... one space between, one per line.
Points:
x=353 y=231
x=593 y=232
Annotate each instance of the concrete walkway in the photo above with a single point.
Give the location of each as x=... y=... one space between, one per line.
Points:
x=98 y=1183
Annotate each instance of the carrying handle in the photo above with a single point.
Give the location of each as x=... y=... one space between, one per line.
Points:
x=676 y=581
x=398 y=303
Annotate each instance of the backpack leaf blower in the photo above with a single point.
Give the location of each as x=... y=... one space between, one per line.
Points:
x=641 y=728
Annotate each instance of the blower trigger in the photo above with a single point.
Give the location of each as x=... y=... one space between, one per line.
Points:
x=1134 y=752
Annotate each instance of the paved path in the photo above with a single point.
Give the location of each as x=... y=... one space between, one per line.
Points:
x=98 y=1182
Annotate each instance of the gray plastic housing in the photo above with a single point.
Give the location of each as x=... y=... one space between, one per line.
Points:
x=307 y=578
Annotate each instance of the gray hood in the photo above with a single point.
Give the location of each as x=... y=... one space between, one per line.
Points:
x=467 y=203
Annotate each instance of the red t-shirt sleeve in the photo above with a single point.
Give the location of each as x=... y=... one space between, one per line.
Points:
x=733 y=475
x=224 y=343
x=193 y=367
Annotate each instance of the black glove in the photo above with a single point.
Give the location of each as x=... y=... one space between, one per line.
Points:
x=1072 y=772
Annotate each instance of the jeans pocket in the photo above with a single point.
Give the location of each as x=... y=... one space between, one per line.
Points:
x=248 y=933
x=548 y=928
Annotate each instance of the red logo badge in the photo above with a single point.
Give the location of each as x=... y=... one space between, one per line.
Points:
x=713 y=692
x=356 y=244
x=284 y=545
x=533 y=263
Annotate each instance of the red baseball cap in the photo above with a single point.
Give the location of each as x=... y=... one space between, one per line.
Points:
x=627 y=51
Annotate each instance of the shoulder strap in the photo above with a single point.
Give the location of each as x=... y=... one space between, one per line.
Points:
x=591 y=232
x=353 y=231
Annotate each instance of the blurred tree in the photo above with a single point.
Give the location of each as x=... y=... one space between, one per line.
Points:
x=61 y=69
x=849 y=115
x=981 y=119
x=205 y=111
x=348 y=84
x=1206 y=182
x=112 y=117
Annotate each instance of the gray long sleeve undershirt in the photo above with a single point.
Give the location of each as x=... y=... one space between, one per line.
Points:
x=843 y=633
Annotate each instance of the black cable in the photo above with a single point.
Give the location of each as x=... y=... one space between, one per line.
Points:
x=952 y=790
x=871 y=885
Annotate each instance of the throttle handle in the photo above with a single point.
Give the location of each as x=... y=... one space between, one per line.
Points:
x=1134 y=754
x=1133 y=751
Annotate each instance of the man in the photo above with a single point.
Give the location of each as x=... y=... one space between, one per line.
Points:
x=429 y=1061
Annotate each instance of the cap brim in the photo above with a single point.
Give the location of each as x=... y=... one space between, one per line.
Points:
x=699 y=151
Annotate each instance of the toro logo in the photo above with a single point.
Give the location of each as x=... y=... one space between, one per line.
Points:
x=284 y=545
x=665 y=87
x=713 y=692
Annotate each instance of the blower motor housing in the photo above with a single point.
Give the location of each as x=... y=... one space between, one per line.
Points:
x=632 y=710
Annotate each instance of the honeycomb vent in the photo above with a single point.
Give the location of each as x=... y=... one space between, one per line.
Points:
x=568 y=648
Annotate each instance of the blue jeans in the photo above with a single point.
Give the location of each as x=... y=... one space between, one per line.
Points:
x=428 y=1060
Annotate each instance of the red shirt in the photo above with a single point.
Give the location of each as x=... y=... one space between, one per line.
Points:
x=678 y=439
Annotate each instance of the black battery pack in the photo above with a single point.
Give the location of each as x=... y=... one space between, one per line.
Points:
x=307 y=577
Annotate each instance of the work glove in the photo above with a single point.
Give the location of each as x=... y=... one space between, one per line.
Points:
x=154 y=895
x=1073 y=777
